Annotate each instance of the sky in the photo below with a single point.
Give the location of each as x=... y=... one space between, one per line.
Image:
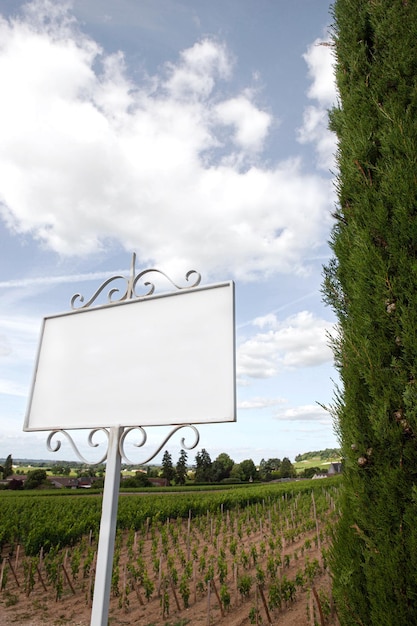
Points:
x=193 y=134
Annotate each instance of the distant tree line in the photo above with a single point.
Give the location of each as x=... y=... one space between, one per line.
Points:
x=324 y=455
x=223 y=469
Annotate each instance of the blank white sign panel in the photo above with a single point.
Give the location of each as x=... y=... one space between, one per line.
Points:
x=155 y=361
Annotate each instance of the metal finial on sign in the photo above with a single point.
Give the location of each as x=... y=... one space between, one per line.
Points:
x=130 y=282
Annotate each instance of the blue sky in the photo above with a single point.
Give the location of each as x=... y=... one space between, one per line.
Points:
x=194 y=134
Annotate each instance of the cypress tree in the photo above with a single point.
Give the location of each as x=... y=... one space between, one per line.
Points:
x=181 y=468
x=168 y=470
x=371 y=283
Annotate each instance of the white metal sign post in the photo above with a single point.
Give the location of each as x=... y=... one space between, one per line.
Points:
x=139 y=360
x=104 y=566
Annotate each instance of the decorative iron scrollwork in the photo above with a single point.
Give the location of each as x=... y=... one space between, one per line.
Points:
x=116 y=295
x=57 y=445
x=155 y=452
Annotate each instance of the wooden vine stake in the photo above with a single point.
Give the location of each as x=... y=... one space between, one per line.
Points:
x=317 y=528
x=235 y=572
x=135 y=586
x=64 y=569
x=30 y=580
x=41 y=580
x=3 y=566
x=175 y=594
x=188 y=534
x=160 y=576
x=317 y=599
x=16 y=562
x=264 y=602
x=208 y=601
x=40 y=564
x=195 y=581
x=91 y=581
x=218 y=597
x=139 y=595
x=124 y=594
x=13 y=571
x=311 y=620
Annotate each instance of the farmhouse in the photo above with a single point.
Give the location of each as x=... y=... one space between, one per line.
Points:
x=84 y=482
x=334 y=468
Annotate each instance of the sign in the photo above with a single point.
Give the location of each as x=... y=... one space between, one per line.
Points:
x=153 y=361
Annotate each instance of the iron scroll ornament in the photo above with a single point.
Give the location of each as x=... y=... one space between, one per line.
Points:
x=144 y=437
x=131 y=283
x=57 y=445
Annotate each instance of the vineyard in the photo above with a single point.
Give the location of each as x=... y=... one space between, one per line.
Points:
x=241 y=556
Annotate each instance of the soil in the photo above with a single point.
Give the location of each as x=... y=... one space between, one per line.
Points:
x=41 y=608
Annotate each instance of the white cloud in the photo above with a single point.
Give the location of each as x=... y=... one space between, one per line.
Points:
x=89 y=156
x=320 y=60
x=304 y=413
x=298 y=341
x=265 y=320
x=260 y=403
x=58 y=279
x=12 y=388
x=194 y=77
x=251 y=125
x=5 y=347
x=18 y=341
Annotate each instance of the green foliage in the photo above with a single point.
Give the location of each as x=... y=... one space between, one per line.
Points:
x=181 y=468
x=203 y=467
x=275 y=595
x=288 y=589
x=225 y=596
x=287 y=469
x=42 y=519
x=35 y=478
x=244 y=585
x=168 y=470
x=222 y=467
x=309 y=472
x=148 y=586
x=7 y=468
x=371 y=283
x=61 y=469
x=267 y=467
x=324 y=455
x=255 y=616
x=185 y=591
x=139 y=480
x=248 y=470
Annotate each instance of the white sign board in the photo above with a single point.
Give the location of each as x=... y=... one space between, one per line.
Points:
x=160 y=360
